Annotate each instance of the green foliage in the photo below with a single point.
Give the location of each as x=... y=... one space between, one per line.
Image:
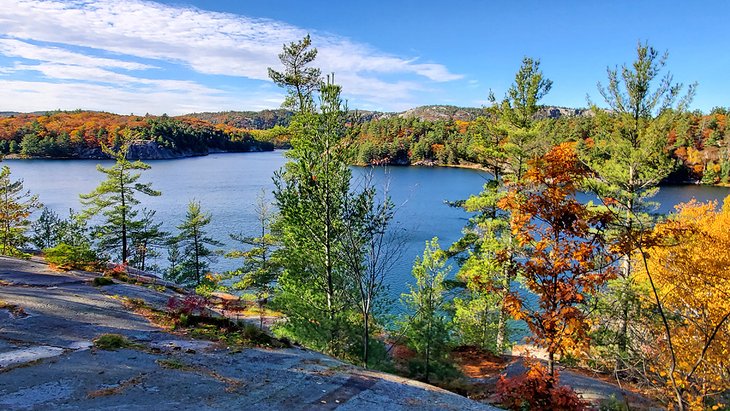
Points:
x=47 y=229
x=476 y=321
x=114 y=199
x=301 y=81
x=101 y=281
x=50 y=230
x=16 y=205
x=112 y=342
x=70 y=257
x=427 y=329
x=146 y=238
x=627 y=155
x=516 y=114
x=613 y=404
x=195 y=243
x=310 y=193
x=261 y=266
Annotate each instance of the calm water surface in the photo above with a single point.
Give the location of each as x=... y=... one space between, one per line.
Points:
x=227 y=186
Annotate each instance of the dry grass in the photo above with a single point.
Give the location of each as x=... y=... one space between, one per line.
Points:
x=14 y=309
x=104 y=392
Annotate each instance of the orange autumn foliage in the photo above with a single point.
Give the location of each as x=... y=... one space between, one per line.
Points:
x=567 y=256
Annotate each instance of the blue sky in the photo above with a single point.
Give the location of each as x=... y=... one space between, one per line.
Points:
x=178 y=57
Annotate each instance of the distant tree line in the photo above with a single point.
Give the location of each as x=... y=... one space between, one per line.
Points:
x=82 y=135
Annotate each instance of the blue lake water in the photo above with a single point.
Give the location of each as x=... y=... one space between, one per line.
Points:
x=227 y=186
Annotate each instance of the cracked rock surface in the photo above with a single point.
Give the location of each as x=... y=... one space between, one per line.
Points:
x=46 y=359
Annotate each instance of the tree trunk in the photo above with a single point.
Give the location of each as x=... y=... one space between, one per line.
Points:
x=366 y=340
x=551 y=363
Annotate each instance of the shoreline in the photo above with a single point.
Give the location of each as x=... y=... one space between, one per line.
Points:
x=469 y=166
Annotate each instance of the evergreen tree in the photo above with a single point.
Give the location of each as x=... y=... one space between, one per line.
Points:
x=427 y=330
x=115 y=200
x=370 y=251
x=299 y=80
x=261 y=266
x=318 y=211
x=16 y=205
x=310 y=193
x=627 y=154
x=174 y=258
x=146 y=237
x=47 y=229
x=505 y=142
x=517 y=116
x=195 y=243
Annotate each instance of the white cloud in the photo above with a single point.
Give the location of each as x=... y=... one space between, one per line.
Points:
x=206 y=42
x=38 y=95
x=15 y=48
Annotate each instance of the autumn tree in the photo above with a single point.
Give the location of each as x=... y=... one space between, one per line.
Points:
x=688 y=269
x=114 y=199
x=16 y=205
x=427 y=327
x=195 y=246
x=566 y=257
x=627 y=153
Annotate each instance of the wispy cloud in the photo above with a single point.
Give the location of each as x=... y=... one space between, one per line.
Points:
x=115 y=46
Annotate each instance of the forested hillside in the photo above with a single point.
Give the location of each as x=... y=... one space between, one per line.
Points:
x=700 y=143
x=81 y=134
x=428 y=135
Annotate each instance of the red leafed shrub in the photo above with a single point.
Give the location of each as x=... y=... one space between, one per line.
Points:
x=190 y=305
x=536 y=390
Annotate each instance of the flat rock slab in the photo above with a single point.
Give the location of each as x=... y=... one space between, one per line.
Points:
x=48 y=363
x=24 y=355
x=35 y=273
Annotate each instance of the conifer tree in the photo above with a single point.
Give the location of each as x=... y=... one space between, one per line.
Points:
x=299 y=80
x=314 y=196
x=627 y=155
x=195 y=243
x=427 y=330
x=16 y=205
x=506 y=141
x=115 y=200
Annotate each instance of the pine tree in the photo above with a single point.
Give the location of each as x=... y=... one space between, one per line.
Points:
x=427 y=330
x=301 y=81
x=47 y=229
x=147 y=237
x=195 y=243
x=627 y=154
x=115 y=200
x=261 y=266
x=506 y=141
x=16 y=205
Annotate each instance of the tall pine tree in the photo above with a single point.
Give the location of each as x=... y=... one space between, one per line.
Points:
x=114 y=199
x=16 y=205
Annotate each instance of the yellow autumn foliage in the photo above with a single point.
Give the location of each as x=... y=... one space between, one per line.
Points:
x=690 y=266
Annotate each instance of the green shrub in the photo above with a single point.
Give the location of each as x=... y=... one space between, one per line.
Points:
x=69 y=257
x=111 y=342
x=613 y=404
x=102 y=281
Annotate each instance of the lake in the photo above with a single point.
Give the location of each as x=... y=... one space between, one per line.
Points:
x=227 y=185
